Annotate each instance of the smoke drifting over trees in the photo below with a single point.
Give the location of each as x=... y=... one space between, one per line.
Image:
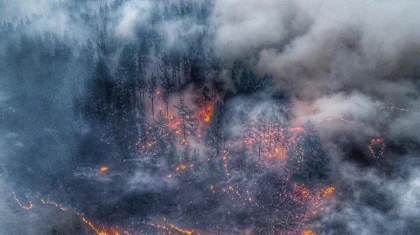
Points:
x=209 y=117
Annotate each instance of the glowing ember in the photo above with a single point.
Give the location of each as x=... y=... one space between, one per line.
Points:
x=303 y=191
x=269 y=140
x=103 y=169
x=103 y=230
x=328 y=191
x=170 y=228
x=180 y=168
x=279 y=152
x=147 y=146
x=206 y=113
x=54 y=204
x=314 y=198
x=29 y=206
x=100 y=230
x=296 y=129
x=377 y=147
x=225 y=162
x=175 y=124
x=308 y=232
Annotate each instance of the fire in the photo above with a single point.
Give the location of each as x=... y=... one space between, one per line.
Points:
x=25 y=207
x=377 y=147
x=315 y=198
x=146 y=146
x=207 y=118
x=169 y=228
x=178 y=169
x=181 y=230
x=183 y=122
x=267 y=137
x=308 y=232
x=269 y=141
x=101 y=231
x=303 y=191
x=328 y=191
x=54 y=204
x=181 y=168
x=175 y=124
x=279 y=153
x=206 y=113
x=225 y=162
x=296 y=129
x=103 y=169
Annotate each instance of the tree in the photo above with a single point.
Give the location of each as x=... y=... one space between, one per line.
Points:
x=141 y=84
x=143 y=56
x=152 y=85
x=159 y=138
x=206 y=96
x=141 y=122
x=100 y=89
x=142 y=63
x=186 y=68
x=307 y=162
x=257 y=135
x=214 y=134
x=196 y=74
x=167 y=81
x=124 y=100
x=188 y=122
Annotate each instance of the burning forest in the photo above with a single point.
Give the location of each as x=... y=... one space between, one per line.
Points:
x=125 y=117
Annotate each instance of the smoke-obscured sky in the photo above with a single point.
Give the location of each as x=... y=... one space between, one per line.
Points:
x=351 y=68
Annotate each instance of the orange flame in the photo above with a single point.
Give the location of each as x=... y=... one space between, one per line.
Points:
x=328 y=191
x=103 y=230
x=308 y=232
x=103 y=169
x=54 y=204
x=180 y=168
x=173 y=228
x=206 y=113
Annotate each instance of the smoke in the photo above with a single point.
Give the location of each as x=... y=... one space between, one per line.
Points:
x=350 y=68
x=324 y=46
x=373 y=203
x=131 y=14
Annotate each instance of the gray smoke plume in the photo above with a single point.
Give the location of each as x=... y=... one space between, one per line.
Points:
x=349 y=68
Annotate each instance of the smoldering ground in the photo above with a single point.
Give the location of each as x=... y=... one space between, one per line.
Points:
x=349 y=68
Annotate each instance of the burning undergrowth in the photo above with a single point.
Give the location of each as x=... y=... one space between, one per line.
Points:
x=215 y=167
x=159 y=117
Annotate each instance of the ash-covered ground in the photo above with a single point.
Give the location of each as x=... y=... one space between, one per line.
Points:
x=209 y=117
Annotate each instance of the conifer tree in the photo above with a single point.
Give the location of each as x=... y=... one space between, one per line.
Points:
x=307 y=161
x=188 y=122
